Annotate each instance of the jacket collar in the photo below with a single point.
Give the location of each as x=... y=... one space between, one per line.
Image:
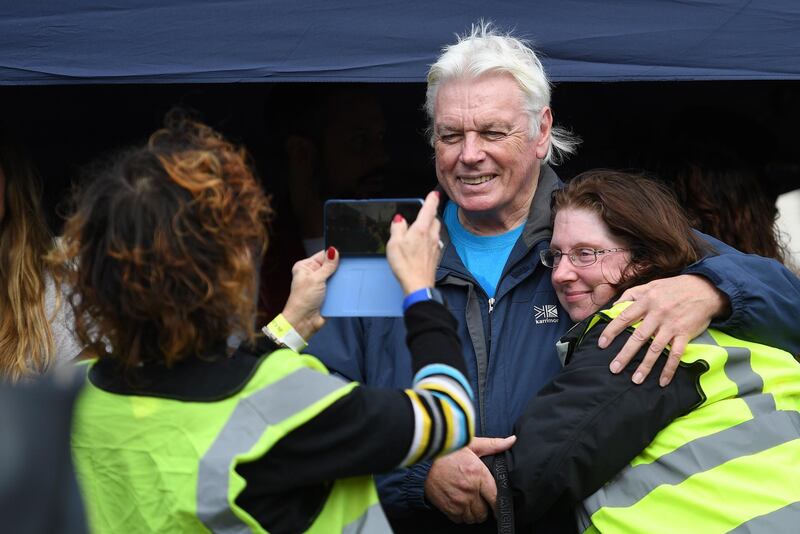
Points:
x=539 y=225
x=569 y=341
x=197 y=379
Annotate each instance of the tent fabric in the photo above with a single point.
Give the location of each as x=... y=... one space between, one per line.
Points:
x=191 y=41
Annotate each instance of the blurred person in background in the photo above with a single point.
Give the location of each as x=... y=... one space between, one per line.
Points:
x=726 y=198
x=35 y=330
x=722 y=180
x=38 y=490
x=324 y=142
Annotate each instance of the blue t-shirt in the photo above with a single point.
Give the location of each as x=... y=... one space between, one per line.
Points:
x=483 y=256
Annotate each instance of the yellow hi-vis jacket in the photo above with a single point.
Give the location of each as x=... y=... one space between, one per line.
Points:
x=149 y=464
x=730 y=465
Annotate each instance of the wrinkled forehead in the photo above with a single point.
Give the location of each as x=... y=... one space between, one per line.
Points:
x=495 y=84
x=492 y=96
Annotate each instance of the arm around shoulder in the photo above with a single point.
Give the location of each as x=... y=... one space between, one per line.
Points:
x=764 y=295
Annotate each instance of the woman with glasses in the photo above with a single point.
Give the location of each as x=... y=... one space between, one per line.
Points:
x=715 y=451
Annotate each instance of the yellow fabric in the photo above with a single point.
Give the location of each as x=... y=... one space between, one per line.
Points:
x=715 y=501
x=137 y=457
x=719 y=498
x=349 y=499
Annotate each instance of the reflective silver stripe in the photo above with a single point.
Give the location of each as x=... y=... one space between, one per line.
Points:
x=705 y=339
x=697 y=456
x=373 y=521
x=739 y=369
x=582 y=517
x=750 y=384
x=786 y=519
x=247 y=423
x=768 y=429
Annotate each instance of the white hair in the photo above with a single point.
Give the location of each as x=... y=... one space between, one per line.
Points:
x=484 y=50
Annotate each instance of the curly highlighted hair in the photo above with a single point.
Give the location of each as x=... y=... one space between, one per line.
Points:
x=162 y=249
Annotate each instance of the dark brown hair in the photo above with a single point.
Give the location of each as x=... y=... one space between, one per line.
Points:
x=164 y=243
x=643 y=214
x=730 y=204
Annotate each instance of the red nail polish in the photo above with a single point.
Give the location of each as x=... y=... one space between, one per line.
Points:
x=331 y=253
x=397 y=218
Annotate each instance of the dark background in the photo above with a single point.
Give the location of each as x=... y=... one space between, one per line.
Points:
x=621 y=124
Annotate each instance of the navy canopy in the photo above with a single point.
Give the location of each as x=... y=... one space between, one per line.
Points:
x=180 y=41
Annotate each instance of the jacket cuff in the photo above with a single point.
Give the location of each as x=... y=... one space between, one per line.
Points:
x=733 y=321
x=413 y=486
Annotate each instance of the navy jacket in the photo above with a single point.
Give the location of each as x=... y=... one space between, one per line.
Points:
x=510 y=351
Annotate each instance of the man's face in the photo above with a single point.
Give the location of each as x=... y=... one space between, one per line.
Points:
x=486 y=159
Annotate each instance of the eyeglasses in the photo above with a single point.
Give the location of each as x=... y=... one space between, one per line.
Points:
x=580 y=257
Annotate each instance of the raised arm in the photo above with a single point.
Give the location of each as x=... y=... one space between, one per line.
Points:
x=435 y=417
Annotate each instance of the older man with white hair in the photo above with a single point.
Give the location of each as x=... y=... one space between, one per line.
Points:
x=491 y=126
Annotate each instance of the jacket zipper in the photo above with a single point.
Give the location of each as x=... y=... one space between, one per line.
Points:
x=488 y=351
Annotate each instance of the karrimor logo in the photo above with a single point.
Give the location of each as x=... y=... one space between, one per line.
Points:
x=545 y=314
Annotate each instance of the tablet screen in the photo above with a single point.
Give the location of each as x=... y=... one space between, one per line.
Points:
x=360 y=228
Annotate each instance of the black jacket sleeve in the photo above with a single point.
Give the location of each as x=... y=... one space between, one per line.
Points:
x=587 y=424
x=367 y=431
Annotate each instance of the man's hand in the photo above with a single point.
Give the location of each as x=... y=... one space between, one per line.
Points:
x=672 y=311
x=460 y=484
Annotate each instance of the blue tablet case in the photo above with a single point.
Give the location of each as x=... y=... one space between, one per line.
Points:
x=363 y=287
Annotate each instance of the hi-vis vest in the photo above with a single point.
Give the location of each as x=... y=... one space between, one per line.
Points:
x=148 y=464
x=730 y=465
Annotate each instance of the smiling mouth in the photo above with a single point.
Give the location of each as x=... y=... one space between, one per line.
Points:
x=575 y=295
x=476 y=180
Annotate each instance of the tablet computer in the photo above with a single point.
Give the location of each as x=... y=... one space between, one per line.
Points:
x=364 y=285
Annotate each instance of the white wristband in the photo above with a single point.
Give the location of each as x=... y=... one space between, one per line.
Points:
x=283 y=333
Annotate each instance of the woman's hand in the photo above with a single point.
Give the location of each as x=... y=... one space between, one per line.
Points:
x=308 y=291
x=413 y=251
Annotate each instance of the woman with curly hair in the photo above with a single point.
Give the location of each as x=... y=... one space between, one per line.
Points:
x=173 y=433
x=34 y=329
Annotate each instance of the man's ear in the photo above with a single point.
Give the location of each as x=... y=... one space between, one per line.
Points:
x=545 y=129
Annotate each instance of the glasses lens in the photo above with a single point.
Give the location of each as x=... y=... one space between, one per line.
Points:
x=550 y=257
x=583 y=257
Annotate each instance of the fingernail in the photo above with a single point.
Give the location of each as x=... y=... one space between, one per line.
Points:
x=397 y=218
x=602 y=342
x=663 y=382
x=615 y=367
x=332 y=252
x=438 y=193
x=638 y=377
